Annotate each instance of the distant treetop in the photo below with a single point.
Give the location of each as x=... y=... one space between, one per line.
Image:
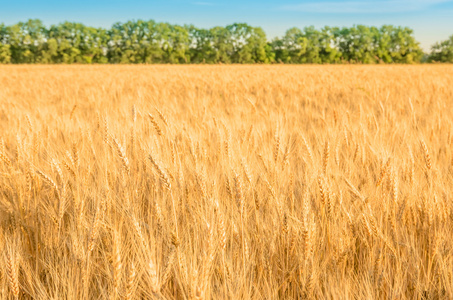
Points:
x=151 y=42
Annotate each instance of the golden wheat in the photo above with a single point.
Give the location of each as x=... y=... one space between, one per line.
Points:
x=226 y=182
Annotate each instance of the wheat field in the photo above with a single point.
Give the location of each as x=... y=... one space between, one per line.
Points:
x=226 y=182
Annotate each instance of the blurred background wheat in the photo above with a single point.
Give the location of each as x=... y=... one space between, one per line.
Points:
x=226 y=182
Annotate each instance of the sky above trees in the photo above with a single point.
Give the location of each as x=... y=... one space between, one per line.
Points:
x=431 y=20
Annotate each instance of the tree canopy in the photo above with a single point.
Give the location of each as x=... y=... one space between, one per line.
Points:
x=442 y=51
x=152 y=42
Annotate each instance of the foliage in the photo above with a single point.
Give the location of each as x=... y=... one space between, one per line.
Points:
x=152 y=42
x=442 y=52
x=358 y=44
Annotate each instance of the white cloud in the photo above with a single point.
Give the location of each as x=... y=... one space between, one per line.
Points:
x=364 y=7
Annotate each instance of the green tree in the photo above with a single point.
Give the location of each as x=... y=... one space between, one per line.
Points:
x=150 y=42
x=201 y=46
x=291 y=47
x=239 y=34
x=249 y=44
x=222 y=45
x=358 y=44
x=329 y=52
x=5 y=52
x=261 y=51
x=307 y=46
x=179 y=43
x=150 y=48
x=310 y=44
x=403 y=47
x=76 y=43
x=174 y=43
x=27 y=42
x=122 y=43
x=442 y=51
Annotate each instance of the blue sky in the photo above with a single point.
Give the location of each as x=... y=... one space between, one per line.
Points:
x=432 y=20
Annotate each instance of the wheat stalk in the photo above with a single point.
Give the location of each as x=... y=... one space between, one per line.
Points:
x=155 y=124
x=130 y=285
x=427 y=155
x=105 y=208
x=121 y=152
x=12 y=266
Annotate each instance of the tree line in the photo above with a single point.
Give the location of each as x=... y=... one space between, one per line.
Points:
x=153 y=42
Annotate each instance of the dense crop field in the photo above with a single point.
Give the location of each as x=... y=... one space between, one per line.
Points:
x=214 y=182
